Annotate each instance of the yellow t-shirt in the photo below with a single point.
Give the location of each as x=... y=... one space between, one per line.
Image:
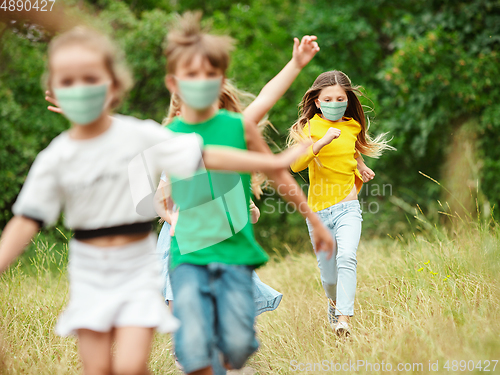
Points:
x=332 y=179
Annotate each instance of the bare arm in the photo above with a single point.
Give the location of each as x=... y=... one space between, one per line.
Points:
x=15 y=237
x=161 y=201
x=303 y=52
x=288 y=188
x=232 y=159
x=302 y=162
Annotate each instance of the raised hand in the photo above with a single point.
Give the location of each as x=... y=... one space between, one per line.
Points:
x=304 y=51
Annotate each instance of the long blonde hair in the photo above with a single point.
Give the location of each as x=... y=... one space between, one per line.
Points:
x=307 y=109
x=234 y=100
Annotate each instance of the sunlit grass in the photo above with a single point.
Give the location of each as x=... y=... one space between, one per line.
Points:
x=416 y=301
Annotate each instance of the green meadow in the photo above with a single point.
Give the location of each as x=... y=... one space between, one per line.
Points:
x=422 y=301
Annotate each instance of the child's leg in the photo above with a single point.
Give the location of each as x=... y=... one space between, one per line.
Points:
x=328 y=270
x=95 y=351
x=217 y=362
x=133 y=345
x=348 y=232
x=163 y=248
x=235 y=314
x=327 y=267
x=194 y=307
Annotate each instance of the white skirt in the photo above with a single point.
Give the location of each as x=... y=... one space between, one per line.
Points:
x=115 y=287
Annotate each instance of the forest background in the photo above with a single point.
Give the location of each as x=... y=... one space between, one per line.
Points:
x=429 y=68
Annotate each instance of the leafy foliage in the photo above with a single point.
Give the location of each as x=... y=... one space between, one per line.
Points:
x=426 y=67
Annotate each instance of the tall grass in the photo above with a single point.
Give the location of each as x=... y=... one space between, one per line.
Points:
x=432 y=297
x=417 y=301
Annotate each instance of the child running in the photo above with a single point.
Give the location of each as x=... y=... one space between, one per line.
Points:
x=213 y=250
x=332 y=116
x=114 y=271
x=265 y=297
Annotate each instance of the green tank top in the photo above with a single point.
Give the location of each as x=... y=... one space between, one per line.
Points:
x=214 y=217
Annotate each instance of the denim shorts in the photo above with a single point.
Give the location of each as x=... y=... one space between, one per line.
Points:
x=265 y=297
x=217 y=312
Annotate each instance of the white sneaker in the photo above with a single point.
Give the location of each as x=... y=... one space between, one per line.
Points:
x=342 y=329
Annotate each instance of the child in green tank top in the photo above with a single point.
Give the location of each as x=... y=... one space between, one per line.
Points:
x=213 y=248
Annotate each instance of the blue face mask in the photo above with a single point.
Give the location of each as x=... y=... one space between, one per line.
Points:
x=82 y=104
x=199 y=93
x=333 y=111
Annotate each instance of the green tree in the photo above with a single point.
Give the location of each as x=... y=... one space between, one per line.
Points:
x=443 y=73
x=427 y=68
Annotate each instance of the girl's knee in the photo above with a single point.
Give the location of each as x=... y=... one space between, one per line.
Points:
x=346 y=258
x=330 y=290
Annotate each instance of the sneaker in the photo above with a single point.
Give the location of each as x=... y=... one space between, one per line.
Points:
x=342 y=329
x=332 y=318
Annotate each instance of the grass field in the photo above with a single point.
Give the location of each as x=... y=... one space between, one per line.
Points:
x=419 y=301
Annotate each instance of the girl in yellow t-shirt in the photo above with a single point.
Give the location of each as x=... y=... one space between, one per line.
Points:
x=332 y=116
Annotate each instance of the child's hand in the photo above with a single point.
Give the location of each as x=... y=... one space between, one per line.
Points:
x=331 y=134
x=50 y=99
x=254 y=212
x=160 y=203
x=304 y=51
x=323 y=240
x=366 y=173
x=287 y=157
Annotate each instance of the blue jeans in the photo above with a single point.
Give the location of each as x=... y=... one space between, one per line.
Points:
x=338 y=274
x=216 y=308
x=265 y=297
